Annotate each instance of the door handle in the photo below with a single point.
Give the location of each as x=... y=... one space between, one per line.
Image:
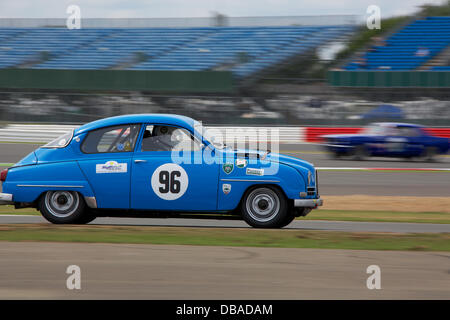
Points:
x=139 y=161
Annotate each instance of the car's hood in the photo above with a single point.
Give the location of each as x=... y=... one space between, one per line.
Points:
x=289 y=160
x=271 y=156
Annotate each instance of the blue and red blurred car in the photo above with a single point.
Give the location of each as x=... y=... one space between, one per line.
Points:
x=387 y=139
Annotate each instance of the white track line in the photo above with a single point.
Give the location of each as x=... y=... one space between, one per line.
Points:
x=18 y=215
x=379 y=169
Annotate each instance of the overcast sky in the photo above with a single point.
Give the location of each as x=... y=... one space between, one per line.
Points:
x=202 y=8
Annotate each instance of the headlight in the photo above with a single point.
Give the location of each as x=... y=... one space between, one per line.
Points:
x=311 y=178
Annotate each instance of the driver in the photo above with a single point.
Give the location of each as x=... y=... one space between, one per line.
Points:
x=159 y=140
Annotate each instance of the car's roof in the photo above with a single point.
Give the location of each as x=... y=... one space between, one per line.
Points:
x=137 y=118
x=396 y=124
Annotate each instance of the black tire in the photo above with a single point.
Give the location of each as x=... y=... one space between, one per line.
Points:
x=430 y=154
x=287 y=220
x=63 y=207
x=88 y=216
x=360 y=153
x=264 y=207
x=334 y=155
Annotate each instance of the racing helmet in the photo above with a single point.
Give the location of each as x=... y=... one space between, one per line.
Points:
x=162 y=130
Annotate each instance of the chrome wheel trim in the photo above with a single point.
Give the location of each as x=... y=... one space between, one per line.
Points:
x=62 y=204
x=263 y=204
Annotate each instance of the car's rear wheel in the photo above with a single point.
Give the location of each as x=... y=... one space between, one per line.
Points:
x=64 y=207
x=264 y=207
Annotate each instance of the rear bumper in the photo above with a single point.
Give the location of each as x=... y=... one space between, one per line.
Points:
x=308 y=203
x=6 y=198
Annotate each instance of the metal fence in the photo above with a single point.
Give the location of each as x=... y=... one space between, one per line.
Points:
x=312 y=107
x=211 y=21
x=43 y=133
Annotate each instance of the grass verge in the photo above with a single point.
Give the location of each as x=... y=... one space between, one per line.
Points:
x=11 y=210
x=227 y=237
x=379 y=216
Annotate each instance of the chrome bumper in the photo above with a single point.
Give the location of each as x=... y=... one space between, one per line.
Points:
x=6 y=198
x=91 y=202
x=308 y=203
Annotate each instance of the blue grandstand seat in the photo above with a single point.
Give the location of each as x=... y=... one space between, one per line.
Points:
x=401 y=50
x=441 y=68
x=244 y=50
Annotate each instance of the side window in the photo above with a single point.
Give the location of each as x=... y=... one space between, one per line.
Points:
x=112 y=139
x=410 y=132
x=391 y=131
x=168 y=138
x=60 y=142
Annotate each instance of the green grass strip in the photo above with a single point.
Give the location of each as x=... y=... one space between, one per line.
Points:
x=24 y=142
x=379 y=216
x=236 y=237
x=10 y=210
x=6 y=164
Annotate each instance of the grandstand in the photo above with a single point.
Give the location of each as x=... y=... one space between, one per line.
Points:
x=410 y=48
x=244 y=51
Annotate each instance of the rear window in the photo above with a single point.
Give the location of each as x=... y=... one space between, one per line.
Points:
x=409 y=131
x=60 y=142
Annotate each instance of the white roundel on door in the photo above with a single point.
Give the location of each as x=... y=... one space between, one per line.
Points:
x=169 y=181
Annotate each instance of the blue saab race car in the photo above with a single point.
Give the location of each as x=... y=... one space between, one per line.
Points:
x=153 y=165
x=386 y=139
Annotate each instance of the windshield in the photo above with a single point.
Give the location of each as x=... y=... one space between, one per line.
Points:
x=60 y=142
x=374 y=130
x=212 y=135
x=377 y=130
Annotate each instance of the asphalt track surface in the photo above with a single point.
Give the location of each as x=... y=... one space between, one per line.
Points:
x=395 y=227
x=133 y=271
x=37 y=270
x=395 y=183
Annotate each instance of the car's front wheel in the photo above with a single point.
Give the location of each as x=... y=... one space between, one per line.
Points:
x=287 y=220
x=64 y=207
x=430 y=154
x=264 y=207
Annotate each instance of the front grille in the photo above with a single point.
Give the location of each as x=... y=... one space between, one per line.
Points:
x=311 y=191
